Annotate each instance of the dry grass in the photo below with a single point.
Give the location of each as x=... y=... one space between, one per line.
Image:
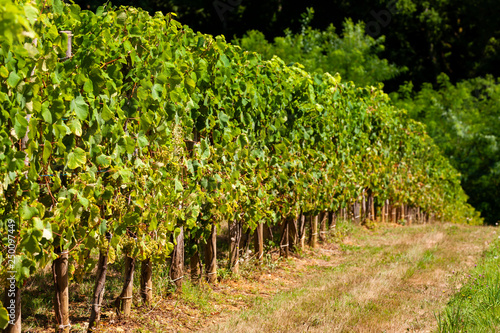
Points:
x=388 y=280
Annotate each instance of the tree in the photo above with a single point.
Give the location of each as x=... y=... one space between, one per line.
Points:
x=463 y=120
x=354 y=55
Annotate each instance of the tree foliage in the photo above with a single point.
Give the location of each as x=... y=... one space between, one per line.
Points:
x=464 y=121
x=354 y=55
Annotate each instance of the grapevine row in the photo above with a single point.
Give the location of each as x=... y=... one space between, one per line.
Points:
x=150 y=135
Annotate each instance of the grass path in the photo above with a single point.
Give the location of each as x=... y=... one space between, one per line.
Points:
x=392 y=279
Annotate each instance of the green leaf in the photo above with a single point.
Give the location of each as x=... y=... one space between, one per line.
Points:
x=201 y=40
x=106 y=114
x=38 y=224
x=190 y=84
x=88 y=87
x=83 y=201
x=156 y=91
x=13 y=79
x=57 y=5
x=76 y=158
x=225 y=60
x=103 y=227
x=204 y=149
x=80 y=107
x=20 y=126
x=31 y=13
x=99 y=11
x=76 y=127
x=47 y=151
x=47 y=231
x=142 y=140
x=121 y=18
x=28 y=212
x=4 y=72
x=4 y=317
x=31 y=244
x=46 y=114
x=223 y=117
x=178 y=186
x=22 y=266
x=129 y=144
x=32 y=50
x=103 y=160
x=153 y=223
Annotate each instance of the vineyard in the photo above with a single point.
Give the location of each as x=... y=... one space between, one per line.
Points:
x=131 y=137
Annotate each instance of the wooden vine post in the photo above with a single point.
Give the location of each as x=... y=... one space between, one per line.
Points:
x=364 y=210
x=332 y=220
x=313 y=240
x=357 y=212
x=235 y=233
x=195 y=262
x=293 y=232
x=284 y=242
x=302 y=231
x=211 y=255
x=384 y=211
x=259 y=241
x=61 y=299
x=123 y=302
x=371 y=207
x=322 y=226
x=146 y=290
x=102 y=268
x=177 y=267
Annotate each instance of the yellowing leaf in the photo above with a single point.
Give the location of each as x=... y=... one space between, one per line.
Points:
x=76 y=158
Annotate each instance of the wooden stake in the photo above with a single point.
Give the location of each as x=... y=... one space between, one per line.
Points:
x=146 y=290
x=61 y=299
x=235 y=232
x=284 y=242
x=95 y=308
x=357 y=212
x=211 y=256
x=313 y=239
x=293 y=234
x=177 y=268
x=332 y=220
x=322 y=226
x=123 y=302
x=259 y=241
x=195 y=263
x=302 y=231
x=372 y=208
x=364 y=210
